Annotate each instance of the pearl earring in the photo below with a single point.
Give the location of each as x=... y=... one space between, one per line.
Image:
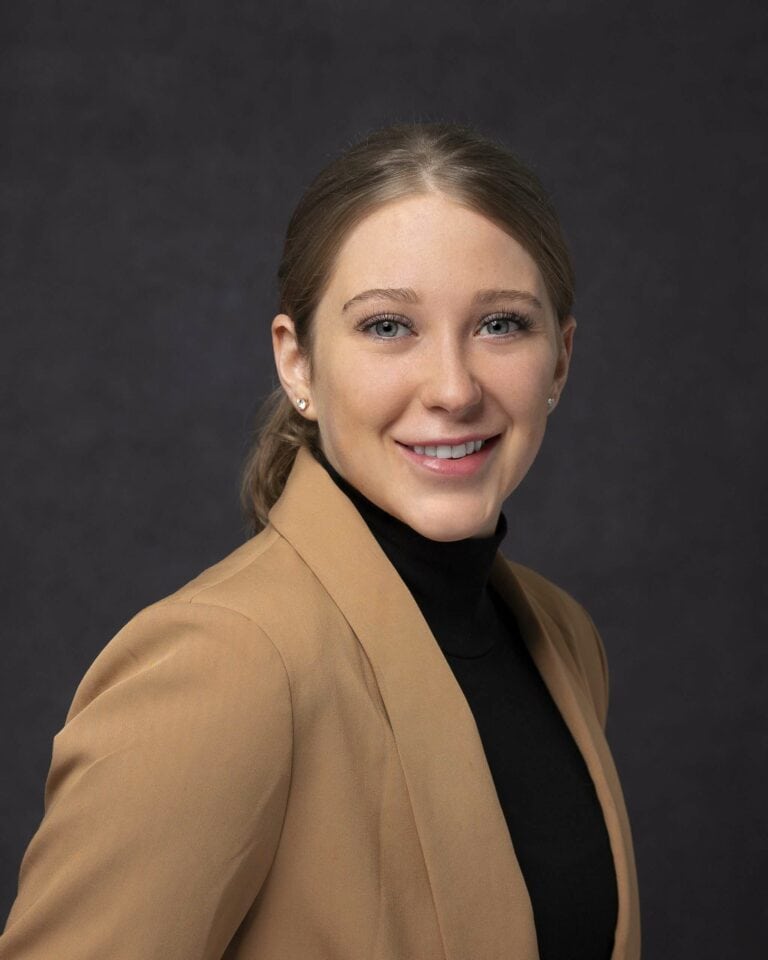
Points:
x=301 y=403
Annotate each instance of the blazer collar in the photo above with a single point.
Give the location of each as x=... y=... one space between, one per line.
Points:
x=480 y=894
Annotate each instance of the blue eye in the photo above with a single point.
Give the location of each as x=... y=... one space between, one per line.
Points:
x=386 y=328
x=505 y=323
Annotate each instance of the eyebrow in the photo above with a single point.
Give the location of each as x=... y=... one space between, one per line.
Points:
x=408 y=295
x=403 y=294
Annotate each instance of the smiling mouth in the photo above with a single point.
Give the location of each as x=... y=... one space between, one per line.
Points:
x=451 y=451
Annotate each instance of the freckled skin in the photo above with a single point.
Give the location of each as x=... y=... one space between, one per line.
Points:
x=447 y=375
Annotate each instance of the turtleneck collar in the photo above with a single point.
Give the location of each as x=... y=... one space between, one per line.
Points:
x=448 y=579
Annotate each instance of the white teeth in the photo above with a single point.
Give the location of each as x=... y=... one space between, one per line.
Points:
x=454 y=452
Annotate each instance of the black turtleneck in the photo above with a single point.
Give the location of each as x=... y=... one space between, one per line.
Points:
x=544 y=788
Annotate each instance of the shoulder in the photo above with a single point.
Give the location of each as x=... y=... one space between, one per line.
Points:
x=202 y=639
x=261 y=576
x=190 y=675
x=256 y=616
x=572 y=628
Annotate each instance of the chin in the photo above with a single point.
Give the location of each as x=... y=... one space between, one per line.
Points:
x=445 y=529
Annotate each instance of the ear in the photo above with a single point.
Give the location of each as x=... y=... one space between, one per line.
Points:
x=292 y=364
x=565 y=351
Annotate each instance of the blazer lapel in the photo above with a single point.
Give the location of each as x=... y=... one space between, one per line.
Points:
x=480 y=894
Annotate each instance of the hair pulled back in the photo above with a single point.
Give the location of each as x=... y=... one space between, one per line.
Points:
x=391 y=163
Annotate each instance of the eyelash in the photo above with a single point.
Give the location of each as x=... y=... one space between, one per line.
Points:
x=367 y=323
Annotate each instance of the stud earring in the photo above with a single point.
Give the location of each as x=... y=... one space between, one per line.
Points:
x=302 y=402
x=550 y=402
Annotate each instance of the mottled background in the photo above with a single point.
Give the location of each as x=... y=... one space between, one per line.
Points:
x=151 y=155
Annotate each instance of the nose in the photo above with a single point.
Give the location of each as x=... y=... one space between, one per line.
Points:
x=448 y=382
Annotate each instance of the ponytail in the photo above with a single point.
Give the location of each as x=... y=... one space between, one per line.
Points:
x=271 y=457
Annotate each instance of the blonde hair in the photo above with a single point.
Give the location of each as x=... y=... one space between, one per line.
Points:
x=393 y=162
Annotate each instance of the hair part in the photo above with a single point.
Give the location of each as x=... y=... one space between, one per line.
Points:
x=397 y=161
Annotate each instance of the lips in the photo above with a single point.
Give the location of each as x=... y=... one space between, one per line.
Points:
x=445 y=451
x=451 y=461
x=452 y=449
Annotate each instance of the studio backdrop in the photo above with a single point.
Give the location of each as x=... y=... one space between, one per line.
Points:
x=152 y=153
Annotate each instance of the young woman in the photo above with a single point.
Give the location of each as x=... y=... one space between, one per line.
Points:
x=365 y=733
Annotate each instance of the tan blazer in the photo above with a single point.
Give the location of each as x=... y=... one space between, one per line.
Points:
x=277 y=763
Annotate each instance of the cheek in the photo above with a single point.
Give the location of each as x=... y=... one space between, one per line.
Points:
x=522 y=389
x=359 y=395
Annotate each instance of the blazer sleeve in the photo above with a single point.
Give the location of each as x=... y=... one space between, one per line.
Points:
x=165 y=797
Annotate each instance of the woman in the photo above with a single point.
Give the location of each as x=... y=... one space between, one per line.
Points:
x=364 y=733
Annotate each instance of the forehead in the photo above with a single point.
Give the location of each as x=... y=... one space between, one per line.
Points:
x=434 y=244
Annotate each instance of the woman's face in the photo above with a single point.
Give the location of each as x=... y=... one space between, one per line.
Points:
x=435 y=333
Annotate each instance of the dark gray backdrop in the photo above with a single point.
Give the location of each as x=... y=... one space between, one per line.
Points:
x=152 y=153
